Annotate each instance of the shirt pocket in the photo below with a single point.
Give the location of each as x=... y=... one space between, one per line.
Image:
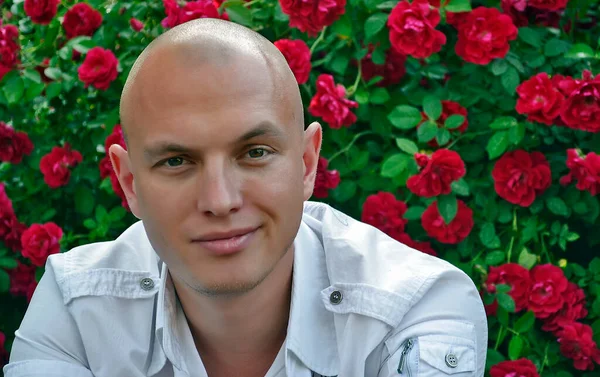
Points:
x=445 y=355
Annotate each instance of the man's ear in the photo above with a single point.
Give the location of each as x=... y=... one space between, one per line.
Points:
x=122 y=166
x=313 y=137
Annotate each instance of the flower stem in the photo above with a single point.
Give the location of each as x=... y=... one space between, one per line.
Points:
x=347 y=147
x=319 y=39
x=354 y=86
x=499 y=337
x=545 y=360
x=512 y=239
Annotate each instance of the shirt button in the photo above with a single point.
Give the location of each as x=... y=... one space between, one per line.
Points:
x=451 y=360
x=147 y=284
x=336 y=297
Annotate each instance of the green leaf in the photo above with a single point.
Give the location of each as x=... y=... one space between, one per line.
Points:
x=448 y=207
x=503 y=288
x=595 y=266
x=53 y=73
x=555 y=47
x=407 y=146
x=4 y=281
x=580 y=51
x=84 y=45
x=454 y=121
x=34 y=90
x=340 y=63
x=458 y=6
x=493 y=357
x=557 y=206
x=443 y=136
x=374 y=24
x=526 y=259
x=84 y=200
x=32 y=75
x=504 y=122
x=499 y=67
x=515 y=347
x=345 y=191
x=432 y=107
x=525 y=323
x=427 y=131
x=405 y=117
x=394 y=165
x=53 y=90
x=379 y=96
x=89 y=223
x=388 y=5
x=487 y=234
x=530 y=36
x=361 y=96
x=572 y=237
x=506 y=302
x=495 y=257
x=497 y=144
x=414 y=213
x=460 y=187
x=117 y=213
x=343 y=26
x=14 y=89
x=239 y=14
x=8 y=262
x=516 y=134
x=510 y=80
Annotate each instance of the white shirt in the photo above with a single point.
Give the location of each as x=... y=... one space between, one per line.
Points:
x=362 y=305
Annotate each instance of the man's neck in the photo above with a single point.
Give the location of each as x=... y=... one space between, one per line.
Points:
x=241 y=335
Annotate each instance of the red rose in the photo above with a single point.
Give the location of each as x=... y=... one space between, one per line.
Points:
x=106 y=168
x=581 y=110
x=297 y=54
x=56 y=165
x=81 y=20
x=553 y=5
x=572 y=310
x=485 y=35
x=40 y=241
x=11 y=230
x=517 y=368
x=436 y=173
x=519 y=176
x=13 y=145
x=548 y=287
x=576 y=343
x=325 y=179
x=516 y=10
x=385 y=212
x=330 y=103
x=99 y=68
x=192 y=10
x=9 y=48
x=21 y=279
x=412 y=29
x=449 y=108
x=584 y=169
x=424 y=247
x=3 y=352
x=539 y=99
x=136 y=24
x=514 y=275
x=392 y=71
x=311 y=16
x=41 y=11
x=453 y=233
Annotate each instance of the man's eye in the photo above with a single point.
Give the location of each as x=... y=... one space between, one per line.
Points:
x=257 y=152
x=174 y=161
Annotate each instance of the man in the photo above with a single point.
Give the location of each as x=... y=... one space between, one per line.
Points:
x=231 y=270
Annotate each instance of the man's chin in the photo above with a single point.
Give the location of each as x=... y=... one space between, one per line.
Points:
x=227 y=289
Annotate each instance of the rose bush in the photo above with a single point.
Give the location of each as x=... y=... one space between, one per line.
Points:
x=466 y=129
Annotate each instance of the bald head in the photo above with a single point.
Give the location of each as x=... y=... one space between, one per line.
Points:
x=207 y=42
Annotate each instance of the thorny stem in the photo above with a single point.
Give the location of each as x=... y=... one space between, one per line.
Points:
x=347 y=147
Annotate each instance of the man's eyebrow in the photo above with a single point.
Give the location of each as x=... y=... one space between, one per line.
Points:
x=265 y=128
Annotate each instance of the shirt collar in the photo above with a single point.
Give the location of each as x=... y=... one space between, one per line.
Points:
x=311 y=331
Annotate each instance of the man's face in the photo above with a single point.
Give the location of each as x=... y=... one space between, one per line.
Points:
x=214 y=150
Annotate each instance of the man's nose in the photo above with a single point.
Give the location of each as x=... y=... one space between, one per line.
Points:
x=219 y=192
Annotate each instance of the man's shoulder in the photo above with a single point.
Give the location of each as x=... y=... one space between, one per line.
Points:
x=130 y=253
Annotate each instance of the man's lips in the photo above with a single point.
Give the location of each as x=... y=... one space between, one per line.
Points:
x=227 y=242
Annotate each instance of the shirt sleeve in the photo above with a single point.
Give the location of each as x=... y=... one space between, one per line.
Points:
x=444 y=334
x=47 y=342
